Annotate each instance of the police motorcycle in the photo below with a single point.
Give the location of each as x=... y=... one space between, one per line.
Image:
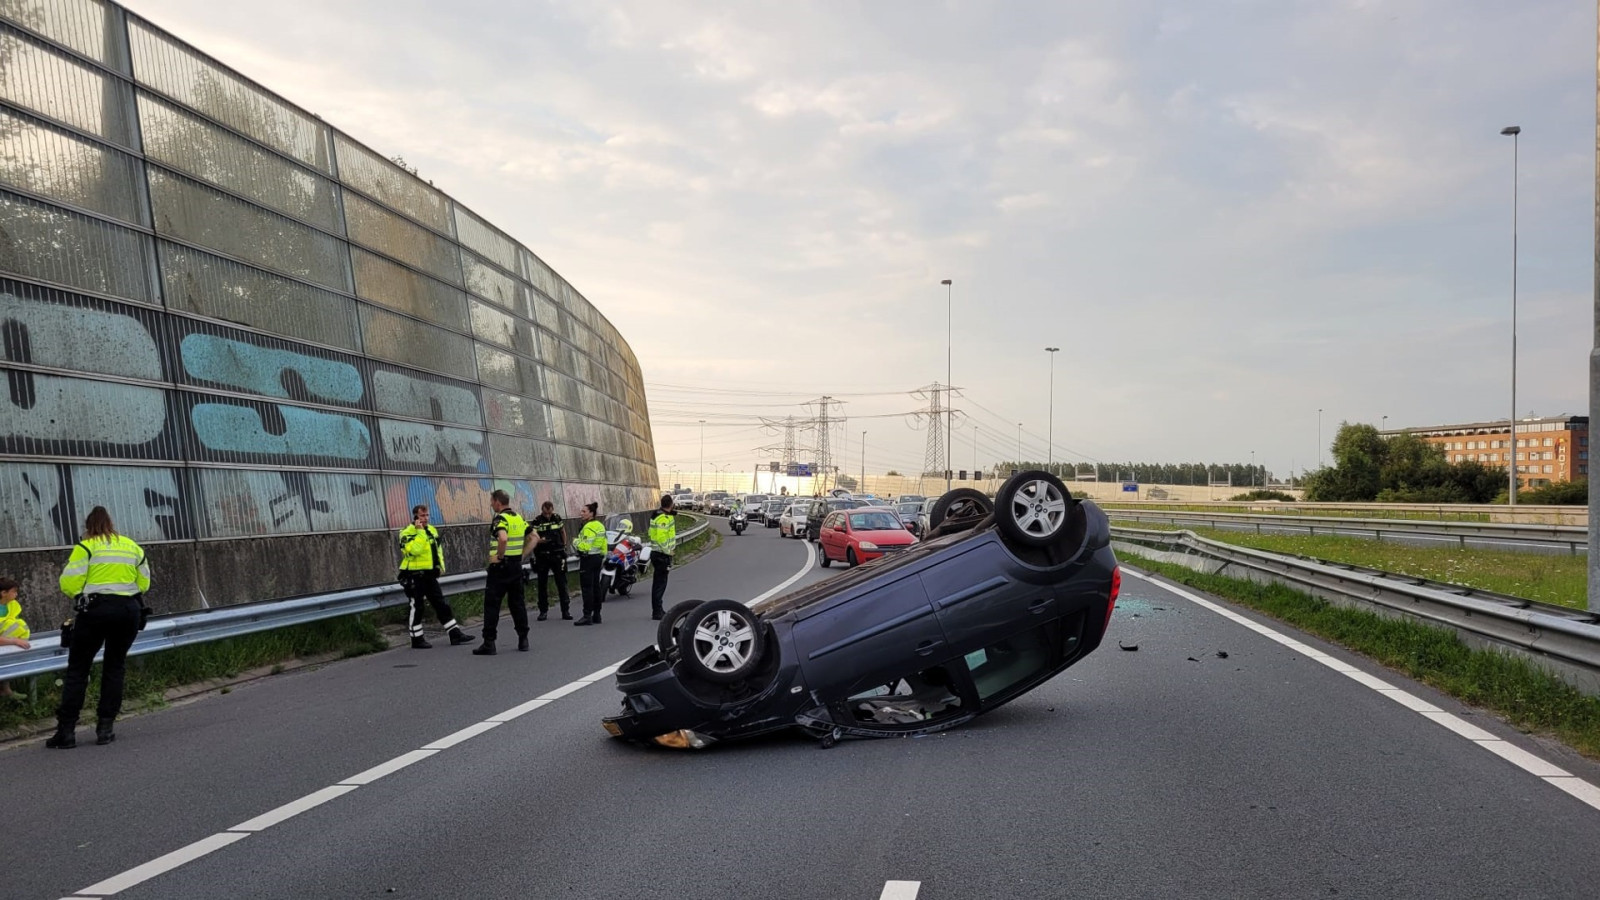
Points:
x=738 y=521
x=626 y=557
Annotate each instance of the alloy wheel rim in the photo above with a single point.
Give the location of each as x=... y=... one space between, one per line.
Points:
x=724 y=642
x=1039 y=507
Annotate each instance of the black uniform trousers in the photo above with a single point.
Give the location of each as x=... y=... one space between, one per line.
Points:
x=660 y=563
x=111 y=621
x=546 y=565
x=589 y=581
x=504 y=582
x=422 y=586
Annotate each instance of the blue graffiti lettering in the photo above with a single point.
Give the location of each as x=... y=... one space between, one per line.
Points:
x=272 y=373
x=226 y=427
x=83 y=340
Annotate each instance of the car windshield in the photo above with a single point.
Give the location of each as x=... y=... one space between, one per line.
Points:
x=875 y=521
x=907 y=509
x=796 y=511
x=775 y=506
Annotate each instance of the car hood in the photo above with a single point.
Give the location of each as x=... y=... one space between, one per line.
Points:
x=886 y=536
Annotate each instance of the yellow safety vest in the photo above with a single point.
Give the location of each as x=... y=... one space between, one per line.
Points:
x=106 y=565
x=516 y=535
x=419 y=549
x=592 y=539
x=11 y=624
x=664 y=532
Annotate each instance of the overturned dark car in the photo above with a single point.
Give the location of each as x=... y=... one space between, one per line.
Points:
x=995 y=601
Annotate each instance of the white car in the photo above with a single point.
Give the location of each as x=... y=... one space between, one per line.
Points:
x=793 y=521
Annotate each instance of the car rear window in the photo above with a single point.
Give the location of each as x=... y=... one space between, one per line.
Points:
x=875 y=521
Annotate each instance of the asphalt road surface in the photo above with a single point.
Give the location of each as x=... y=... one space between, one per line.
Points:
x=1166 y=771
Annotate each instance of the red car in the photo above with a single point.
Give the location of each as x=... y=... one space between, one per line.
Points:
x=855 y=536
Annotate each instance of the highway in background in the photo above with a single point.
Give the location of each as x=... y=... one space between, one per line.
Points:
x=1168 y=770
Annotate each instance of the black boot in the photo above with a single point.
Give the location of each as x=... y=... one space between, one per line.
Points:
x=420 y=643
x=543 y=615
x=459 y=637
x=102 y=732
x=566 y=614
x=486 y=650
x=522 y=642
x=584 y=621
x=63 y=739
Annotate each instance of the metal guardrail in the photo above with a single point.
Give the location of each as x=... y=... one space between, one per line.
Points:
x=1493 y=512
x=1540 y=631
x=200 y=626
x=1537 y=538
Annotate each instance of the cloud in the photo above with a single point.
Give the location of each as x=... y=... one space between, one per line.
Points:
x=1228 y=216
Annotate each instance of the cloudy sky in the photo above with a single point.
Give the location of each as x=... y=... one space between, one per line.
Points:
x=1227 y=214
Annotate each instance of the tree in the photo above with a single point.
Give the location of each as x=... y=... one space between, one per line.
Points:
x=1401 y=469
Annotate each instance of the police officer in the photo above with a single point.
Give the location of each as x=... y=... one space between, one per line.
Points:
x=507 y=535
x=106 y=576
x=550 y=559
x=591 y=547
x=663 y=540
x=421 y=564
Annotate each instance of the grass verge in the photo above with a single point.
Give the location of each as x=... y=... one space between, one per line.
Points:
x=1269 y=509
x=1550 y=578
x=1528 y=697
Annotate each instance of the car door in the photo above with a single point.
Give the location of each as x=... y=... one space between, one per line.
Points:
x=880 y=633
x=979 y=598
x=829 y=538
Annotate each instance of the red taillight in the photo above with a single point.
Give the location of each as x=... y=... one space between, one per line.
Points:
x=1111 y=603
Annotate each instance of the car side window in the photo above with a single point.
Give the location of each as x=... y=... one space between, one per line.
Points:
x=1014 y=661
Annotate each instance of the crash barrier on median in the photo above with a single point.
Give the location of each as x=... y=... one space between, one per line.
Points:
x=202 y=626
x=1560 y=639
x=1521 y=514
x=1523 y=538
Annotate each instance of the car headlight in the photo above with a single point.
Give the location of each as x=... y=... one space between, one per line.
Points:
x=868 y=545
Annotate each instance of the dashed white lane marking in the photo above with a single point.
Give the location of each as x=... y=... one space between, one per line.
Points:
x=1522 y=759
x=900 y=890
x=194 y=851
x=167 y=863
x=293 y=808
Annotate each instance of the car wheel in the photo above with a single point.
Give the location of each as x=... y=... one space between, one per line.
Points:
x=850 y=557
x=823 y=549
x=961 y=503
x=667 y=628
x=1032 y=508
x=721 y=641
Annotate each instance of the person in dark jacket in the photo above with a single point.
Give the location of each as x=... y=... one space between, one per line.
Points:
x=550 y=559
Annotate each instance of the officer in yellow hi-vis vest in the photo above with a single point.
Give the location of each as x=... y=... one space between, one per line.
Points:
x=508 y=533
x=13 y=630
x=663 y=540
x=421 y=564
x=591 y=547
x=106 y=577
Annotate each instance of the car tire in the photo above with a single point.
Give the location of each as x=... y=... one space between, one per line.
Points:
x=960 y=503
x=700 y=647
x=1033 y=509
x=667 y=628
x=850 y=557
x=826 y=562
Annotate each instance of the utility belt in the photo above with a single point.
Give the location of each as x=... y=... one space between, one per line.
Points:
x=86 y=602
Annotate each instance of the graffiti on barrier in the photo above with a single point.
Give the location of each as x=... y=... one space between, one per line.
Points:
x=269 y=371
x=279 y=430
x=412 y=445
x=404 y=395
x=243 y=503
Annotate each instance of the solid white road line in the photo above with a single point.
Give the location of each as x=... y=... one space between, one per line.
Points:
x=162 y=864
x=289 y=810
x=1522 y=759
x=900 y=890
x=811 y=560
x=294 y=808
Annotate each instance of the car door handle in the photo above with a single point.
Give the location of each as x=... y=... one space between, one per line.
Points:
x=927 y=647
x=1039 y=606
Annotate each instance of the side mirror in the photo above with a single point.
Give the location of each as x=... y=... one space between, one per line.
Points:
x=838 y=528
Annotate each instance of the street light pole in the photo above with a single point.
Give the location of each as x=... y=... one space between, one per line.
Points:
x=1252 y=468
x=1050 y=437
x=1594 y=371
x=1319 y=437
x=1019 y=445
x=1514 y=131
x=863 y=461
x=701 y=475
x=949 y=355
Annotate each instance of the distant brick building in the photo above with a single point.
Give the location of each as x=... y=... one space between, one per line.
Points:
x=1550 y=449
